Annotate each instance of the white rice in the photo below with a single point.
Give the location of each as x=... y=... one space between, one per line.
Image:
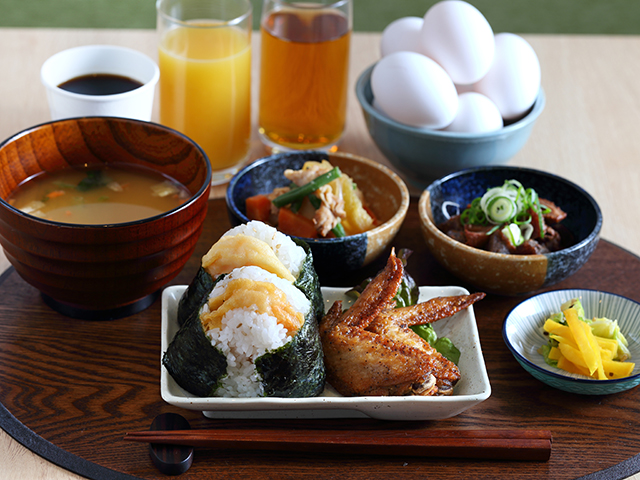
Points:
x=291 y=255
x=246 y=334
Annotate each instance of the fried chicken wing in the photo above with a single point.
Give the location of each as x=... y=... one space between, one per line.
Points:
x=370 y=350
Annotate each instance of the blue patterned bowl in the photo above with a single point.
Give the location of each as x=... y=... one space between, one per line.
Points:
x=523 y=335
x=501 y=273
x=384 y=191
x=421 y=155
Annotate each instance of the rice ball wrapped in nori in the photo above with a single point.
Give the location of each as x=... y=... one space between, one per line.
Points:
x=248 y=330
x=257 y=244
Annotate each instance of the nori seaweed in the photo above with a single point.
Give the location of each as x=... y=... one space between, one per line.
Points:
x=196 y=294
x=309 y=283
x=297 y=368
x=193 y=362
x=293 y=370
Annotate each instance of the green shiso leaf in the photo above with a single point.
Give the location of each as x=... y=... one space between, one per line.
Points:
x=426 y=332
x=407 y=294
x=195 y=364
x=195 y=296
x=443 y=344
x=448 y=350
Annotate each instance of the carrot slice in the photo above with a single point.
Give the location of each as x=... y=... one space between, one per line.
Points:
x=55 y=193
x=258 y=208
x=295 y=224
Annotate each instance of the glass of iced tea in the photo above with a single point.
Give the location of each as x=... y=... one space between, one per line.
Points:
x=204 y=57
x=304 y=67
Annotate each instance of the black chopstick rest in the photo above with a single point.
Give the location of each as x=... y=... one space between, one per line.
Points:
x=171 y=459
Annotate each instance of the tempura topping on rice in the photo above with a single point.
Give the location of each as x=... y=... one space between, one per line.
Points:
x=249 y=312
x=233 y=251
x=291 y=255
x=260 y=291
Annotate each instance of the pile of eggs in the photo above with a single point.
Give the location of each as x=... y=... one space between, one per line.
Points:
x=448 y=71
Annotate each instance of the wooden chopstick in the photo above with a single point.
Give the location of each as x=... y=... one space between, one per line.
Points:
x=489 y=444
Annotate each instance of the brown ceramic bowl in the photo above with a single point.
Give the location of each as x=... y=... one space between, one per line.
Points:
x=101 y=271
x=502 y=273
x=384 y=191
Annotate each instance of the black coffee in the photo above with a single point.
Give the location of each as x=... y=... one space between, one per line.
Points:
x=100 y=84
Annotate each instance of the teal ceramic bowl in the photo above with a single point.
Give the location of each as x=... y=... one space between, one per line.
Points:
x=422 y=156
x=523 y=335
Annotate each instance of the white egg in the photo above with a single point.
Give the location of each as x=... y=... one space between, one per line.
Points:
x=401 y=35
x=457 y=36
x=513 y=81
x=377 y=107
x=464 y=88
x=413 y=89
x=476 y=114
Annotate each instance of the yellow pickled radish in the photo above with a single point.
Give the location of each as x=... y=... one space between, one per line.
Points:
x=591 y=357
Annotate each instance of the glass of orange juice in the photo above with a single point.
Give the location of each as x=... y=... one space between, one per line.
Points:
x=304 y=67
x=204 y=57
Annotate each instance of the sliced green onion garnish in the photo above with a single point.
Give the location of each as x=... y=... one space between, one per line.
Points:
x=522 y=218
x=509 y=204
x=540 y=218
x=501 y=209
x=527 y=231
x=496 y=227
x=512 y=232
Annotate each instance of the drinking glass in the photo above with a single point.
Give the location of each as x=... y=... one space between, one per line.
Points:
x=304 y=68
x=205 y=77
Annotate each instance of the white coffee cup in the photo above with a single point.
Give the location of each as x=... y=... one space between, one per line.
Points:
x=100 y=59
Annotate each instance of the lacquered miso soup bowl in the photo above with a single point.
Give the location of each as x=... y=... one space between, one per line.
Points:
x=111 y=270
x=501 y=273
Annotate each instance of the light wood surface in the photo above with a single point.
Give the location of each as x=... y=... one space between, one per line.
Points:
x=587 y=133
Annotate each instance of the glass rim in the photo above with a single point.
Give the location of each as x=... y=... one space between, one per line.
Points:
x=311 y=5
x=222 y=23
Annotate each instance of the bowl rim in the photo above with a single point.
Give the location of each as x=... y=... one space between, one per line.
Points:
x=397 y=216
x=534 y=112
x=425 y=216
x=552 y=374
x=194 y=198
x=99 y=48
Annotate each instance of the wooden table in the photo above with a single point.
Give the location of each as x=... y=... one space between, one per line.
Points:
x=587 y=134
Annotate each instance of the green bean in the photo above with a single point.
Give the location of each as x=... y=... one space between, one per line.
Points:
x=338 y=230
x=304 y=190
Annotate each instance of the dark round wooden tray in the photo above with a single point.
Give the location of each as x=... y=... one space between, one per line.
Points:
x=70 y=389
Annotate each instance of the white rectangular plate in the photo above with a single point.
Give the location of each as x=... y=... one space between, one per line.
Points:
x=461 y=328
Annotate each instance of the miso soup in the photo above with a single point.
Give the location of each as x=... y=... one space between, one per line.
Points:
x=96 y=196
